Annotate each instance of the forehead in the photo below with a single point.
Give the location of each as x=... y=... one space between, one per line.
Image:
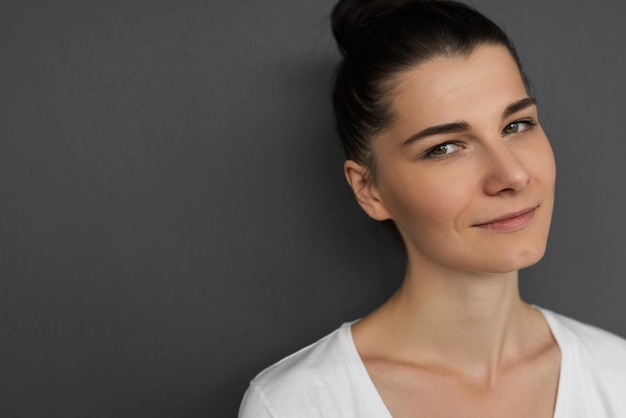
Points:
x=458 y=87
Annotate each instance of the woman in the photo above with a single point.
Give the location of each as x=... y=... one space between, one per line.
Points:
x=443 y=140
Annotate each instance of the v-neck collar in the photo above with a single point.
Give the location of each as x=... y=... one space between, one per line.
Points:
x=379 y=409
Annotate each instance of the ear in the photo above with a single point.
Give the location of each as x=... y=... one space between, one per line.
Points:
x=365 y=191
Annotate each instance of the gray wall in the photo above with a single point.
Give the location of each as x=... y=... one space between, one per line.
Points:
x=173 y=215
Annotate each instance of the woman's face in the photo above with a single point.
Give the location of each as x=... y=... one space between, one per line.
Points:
x=465 y=170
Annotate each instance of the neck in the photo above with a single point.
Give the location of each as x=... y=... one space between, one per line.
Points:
x=469 y=323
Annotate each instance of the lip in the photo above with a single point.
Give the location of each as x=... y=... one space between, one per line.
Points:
x=509 y=222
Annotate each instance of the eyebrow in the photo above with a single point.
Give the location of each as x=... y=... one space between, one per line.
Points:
x=519 y=105
x=447 y=128
x=462 y=126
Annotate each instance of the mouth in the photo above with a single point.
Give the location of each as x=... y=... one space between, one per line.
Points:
x=510 y=222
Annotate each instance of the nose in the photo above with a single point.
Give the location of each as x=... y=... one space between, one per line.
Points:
x=504 y=170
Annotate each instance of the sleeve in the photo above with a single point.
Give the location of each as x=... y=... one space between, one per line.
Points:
x=253 y=406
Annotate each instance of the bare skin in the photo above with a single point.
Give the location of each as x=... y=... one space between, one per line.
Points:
x=473 y=205
x=446 y=363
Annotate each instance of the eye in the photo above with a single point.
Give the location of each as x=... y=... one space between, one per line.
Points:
x=443 y=150
x=518 y=127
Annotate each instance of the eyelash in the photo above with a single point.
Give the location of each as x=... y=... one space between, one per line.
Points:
x=531 y=124
x=430 y=153
x=431 y=156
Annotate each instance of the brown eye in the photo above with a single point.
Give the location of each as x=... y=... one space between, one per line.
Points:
x=517 y=127
x=443 y=150
x=511 y=128
x=440 y=150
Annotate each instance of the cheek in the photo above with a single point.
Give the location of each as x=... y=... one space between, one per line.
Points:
x=551 y=164
x=541 y=159
x=425 y=203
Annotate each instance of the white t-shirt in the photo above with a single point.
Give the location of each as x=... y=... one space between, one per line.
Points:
x=329 y=379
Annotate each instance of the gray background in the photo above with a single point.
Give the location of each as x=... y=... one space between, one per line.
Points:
x=173 y=211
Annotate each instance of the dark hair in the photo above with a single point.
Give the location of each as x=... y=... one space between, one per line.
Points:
x=381 y=38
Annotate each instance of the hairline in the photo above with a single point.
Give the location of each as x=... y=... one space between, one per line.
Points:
x=388 y=86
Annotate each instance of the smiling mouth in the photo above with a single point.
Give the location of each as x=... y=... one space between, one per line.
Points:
x=510 y=222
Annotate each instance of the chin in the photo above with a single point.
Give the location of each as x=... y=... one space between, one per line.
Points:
x=518 y=260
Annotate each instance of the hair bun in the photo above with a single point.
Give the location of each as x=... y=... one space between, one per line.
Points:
x=348 y=17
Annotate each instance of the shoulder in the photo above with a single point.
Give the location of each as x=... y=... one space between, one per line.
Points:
x=597 y=351
x=307 y=382
x=310 y=362
x=593 y=368
x=587 y=338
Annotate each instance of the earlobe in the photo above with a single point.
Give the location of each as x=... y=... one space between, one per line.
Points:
x=365 y=191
